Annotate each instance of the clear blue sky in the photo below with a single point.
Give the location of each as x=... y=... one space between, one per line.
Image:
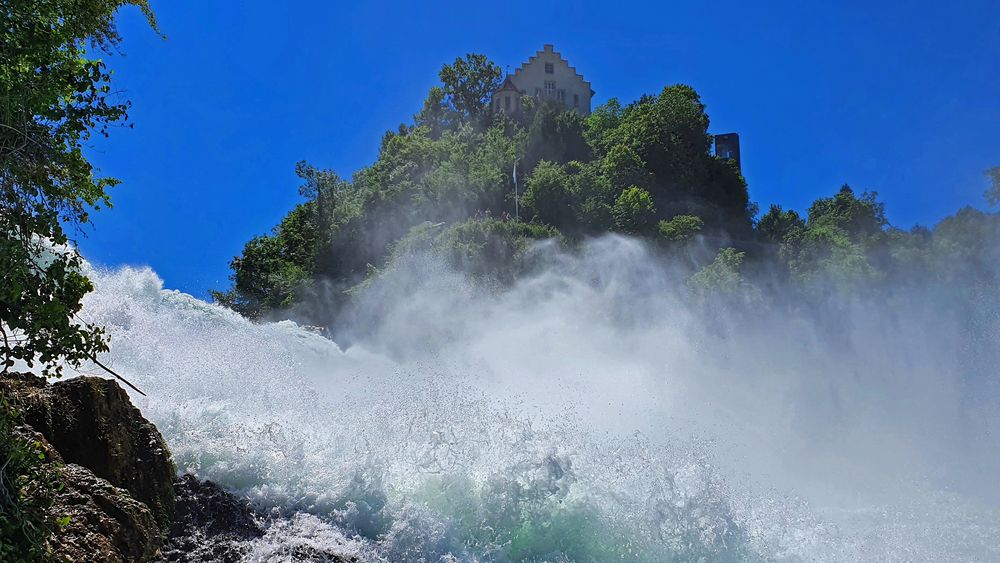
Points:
x=900 y=97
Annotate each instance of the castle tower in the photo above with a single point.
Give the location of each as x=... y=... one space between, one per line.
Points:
x=728 y=146
x=508 y=97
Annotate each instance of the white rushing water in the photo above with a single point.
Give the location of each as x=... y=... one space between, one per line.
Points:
x=589 y=413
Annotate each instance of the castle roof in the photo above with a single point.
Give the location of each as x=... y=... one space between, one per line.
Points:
x=508 y=85
x=549 y=48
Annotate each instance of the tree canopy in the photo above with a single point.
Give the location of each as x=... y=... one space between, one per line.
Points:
x=54 y=94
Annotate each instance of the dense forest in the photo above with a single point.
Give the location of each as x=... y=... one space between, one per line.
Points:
x=446 y=184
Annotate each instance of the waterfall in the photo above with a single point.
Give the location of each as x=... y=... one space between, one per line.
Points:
x=590 y=412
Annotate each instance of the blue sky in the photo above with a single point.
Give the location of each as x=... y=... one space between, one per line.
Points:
x=898 y=97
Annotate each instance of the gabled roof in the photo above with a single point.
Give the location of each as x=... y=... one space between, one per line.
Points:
x=549 y=48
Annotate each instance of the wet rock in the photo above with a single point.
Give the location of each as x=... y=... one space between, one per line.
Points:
x=103 y=522
x=91 y=422
x=210 y=524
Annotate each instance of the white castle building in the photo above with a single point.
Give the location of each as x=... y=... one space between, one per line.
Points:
x=545 y=75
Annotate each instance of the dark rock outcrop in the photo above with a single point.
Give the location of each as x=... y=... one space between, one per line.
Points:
x=210 y=524
x=104 y=522
x=119 y=500
x=117 y=496
x=213 y=525
x=91 y=422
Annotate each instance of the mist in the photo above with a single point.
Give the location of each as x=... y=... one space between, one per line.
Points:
x=594 y=408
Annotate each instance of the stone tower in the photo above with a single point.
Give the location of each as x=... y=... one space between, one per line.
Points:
x=728 y=146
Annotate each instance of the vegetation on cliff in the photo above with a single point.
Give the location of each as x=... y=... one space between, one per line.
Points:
x=622 y=169
x=446 y=184
x=28 y=483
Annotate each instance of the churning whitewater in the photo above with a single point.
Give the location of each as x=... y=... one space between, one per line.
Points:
x=588 y=413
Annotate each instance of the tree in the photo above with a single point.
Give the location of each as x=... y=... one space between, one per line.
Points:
x=549 y=195
x=663 y=140
x=965 y=249
x=554 y=134
x=680 y=228
x=776 y=225
x=437 y=114
x=469 y=83
x=602 y=123
x=308 y=241
x=856 y=216
x=594 y=195
x=53 y=96
x=623 y=168
x=722 y=276
x=633 y=211
x=273 y=270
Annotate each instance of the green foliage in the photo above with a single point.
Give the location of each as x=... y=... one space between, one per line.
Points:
x=680 y=228
x=307 y=240
x=575 y=197
x=553 y=133
x=53 y=97
x=594 y=197
x=485 y=247
x=602 y=123
x=634 y=211
x=549 y=195
x=963 y=249
x=843 y=244
x=444 y=184
x=469 y=83
x=662 y=143
x=40 y=295
x=492 y=247
x=623 y=168
x=777 y=225
x=722 y=276
x=272 y=271
x=825 y=255
x=855 y=216
x=437 y=114
x=835 y=246
x=28 y=483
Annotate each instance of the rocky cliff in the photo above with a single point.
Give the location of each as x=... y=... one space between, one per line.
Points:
x=117 y=496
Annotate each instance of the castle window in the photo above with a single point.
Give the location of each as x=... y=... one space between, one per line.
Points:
x=561 y=95
x=550 y=88
x=506 y=102
x=550 y=68
x=576 y=100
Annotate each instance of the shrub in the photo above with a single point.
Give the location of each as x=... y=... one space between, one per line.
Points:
x=680 y=227
x=633 y=211
x=28 y=484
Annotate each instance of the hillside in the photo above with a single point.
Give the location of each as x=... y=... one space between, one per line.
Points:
x=445 y=184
